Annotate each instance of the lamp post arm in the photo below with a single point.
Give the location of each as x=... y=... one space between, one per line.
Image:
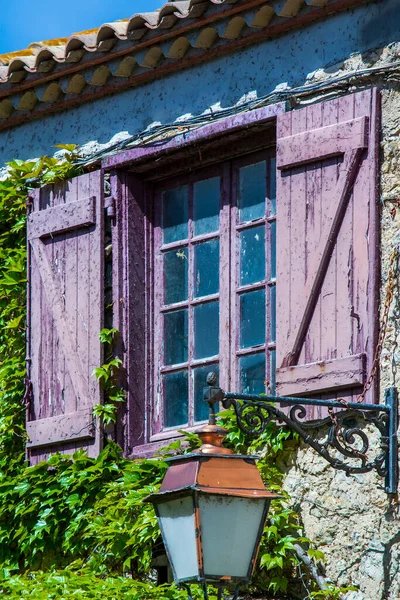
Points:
x=347 y=445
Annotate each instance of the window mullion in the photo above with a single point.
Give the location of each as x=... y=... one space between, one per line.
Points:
x=190 y=309
x=271 y=276
x=268 y=276
x=158 y=320
x=234 y=258
x=225 y=279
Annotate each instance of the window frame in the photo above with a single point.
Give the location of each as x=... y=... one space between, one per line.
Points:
x=134 y=174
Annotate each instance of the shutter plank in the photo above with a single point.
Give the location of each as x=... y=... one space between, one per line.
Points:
x=83 y=300
x=58 y=370
x=62 y=218
x=71 y=289
x=319 y=144
x=62 y=428
x=325 y=374
x=360 y=248
x=374 y=265
x=95 y=311
x=47 y=407
x=315 y=212
x=298 y=215
x=284 y=240
x=345 y=333
x=330 y=172
x=35 y=323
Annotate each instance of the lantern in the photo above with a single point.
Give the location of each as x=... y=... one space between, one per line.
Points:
x=211 y=509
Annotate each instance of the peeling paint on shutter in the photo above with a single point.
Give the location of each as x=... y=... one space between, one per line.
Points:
x=66 y=307
x=327 y=159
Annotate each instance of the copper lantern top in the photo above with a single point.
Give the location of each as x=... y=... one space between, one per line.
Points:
x=214 y=469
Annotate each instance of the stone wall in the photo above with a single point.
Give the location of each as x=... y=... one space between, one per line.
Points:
x=353 y=522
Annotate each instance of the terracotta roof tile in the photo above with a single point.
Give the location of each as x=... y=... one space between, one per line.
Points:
x=163 y=19
x=55 y=74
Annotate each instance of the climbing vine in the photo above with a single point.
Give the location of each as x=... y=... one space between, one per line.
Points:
x=74 y=526
x=107 y=375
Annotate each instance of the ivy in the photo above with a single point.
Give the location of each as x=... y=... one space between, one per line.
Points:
x=82 y=585
x=74 y=526
x=78 y=508
x=107 y=375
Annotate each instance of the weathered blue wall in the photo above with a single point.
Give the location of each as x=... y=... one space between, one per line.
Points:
x=223 y=82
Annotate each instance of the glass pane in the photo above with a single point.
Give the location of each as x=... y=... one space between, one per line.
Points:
x=272 y=299
x=176 y=393
x=272 y=186
x=252 y=192
x=272 y=376
x=206 y=330
x=206 y=268
x=175 y=215
x=201 y=408
x=206 y=206
x=252 y=374
x=252 y=255
x=273 y=249
x=176 y=275
x=177 y=522
x=229 y=527
x=176 y=337
x=252 y=319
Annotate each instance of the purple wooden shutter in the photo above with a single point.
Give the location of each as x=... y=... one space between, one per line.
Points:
x=327 y=270
x=66 y=237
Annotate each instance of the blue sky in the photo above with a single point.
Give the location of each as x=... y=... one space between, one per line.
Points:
x=26 y=21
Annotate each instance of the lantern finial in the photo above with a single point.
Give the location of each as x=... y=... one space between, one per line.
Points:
x=212 y=435
x=212 y=395
x=212 y=438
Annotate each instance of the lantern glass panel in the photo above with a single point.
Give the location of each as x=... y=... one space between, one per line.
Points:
x=176 y=519
x=229 y=531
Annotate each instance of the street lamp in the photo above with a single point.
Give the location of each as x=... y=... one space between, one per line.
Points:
x=212 y=504
x=211 y=509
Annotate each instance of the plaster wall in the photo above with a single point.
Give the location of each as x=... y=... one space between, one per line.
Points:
x=251 y=72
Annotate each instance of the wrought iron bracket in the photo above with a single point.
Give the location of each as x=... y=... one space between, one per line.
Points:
x=347 y=445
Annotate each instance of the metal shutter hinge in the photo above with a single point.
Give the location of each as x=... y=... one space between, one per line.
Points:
x=109 y=205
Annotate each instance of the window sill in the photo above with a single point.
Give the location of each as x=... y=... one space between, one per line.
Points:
x=161 y=440
x=170 y=434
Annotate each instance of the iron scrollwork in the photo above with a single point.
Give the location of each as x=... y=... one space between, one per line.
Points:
x=346 y=437
x=350 y=441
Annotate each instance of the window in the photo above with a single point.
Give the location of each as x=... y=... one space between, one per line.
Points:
x=214 y=292
x=164 y=266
